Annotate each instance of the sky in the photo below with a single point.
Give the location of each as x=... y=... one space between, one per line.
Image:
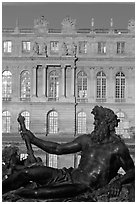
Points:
x=55 y=12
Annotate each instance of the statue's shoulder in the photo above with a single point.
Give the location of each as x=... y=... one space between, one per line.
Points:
x=84 y=138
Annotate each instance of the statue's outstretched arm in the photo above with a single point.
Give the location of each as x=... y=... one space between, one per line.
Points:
x=56 y=148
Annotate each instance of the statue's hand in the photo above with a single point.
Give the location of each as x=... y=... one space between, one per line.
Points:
x=21 y=119
x=114 y=189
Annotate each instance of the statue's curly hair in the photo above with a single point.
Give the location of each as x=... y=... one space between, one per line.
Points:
x=106 y=115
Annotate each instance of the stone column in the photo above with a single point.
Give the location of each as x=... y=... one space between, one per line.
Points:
x=44 y=81
x=34 y=81
x=110 y=91
x=73 y=81
x=63 y=81
x=92 y=88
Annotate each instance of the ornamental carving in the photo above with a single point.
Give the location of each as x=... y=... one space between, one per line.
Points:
x=41 y=24
x=40 y=48
x=69 y=49
x=131 y=25
x=68 y=25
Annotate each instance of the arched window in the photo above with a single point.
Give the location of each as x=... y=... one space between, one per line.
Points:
x=6 y=85
x=6 y=119
x=53 y=85
x=101 y=85
x=26 y=114
x=53 y=122
x=25 y=85
x=120 y=86
x=81 y=85
x=81 y=122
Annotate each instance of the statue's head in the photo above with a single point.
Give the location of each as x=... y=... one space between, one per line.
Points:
x=105 y=115
x=105 y=121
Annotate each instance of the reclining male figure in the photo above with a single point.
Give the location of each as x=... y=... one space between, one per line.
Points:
x=102 y=154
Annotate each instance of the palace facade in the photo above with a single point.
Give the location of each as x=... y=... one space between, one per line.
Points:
x=54 y=77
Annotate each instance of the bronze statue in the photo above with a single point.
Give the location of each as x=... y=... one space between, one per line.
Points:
x=102 y=154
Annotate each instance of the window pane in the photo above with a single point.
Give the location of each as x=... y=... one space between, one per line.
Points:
x=54 y=47
x=120 y=85
x=25 y=85
x=101 y=85
x=26 y=46
x=53 y=85
x=52 y=160
x=81 y=122
x=82 y=85
x=6 y=122
x=7 y=46
x=6 y=84
x=83 y=47
x=53 y=122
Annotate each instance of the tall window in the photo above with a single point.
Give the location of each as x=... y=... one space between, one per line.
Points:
x=120 y=86
x=101 y=86
x=53 y=122
x=81 y=85
x=6 y=85
x=120 y=47
x=81 y=122
x=7 y=46
x=25 y=46
x=25 y=85
x=53 y=85
x=82 y=47
x=52 y=160
x=54 y=47
x=102 y=47
x=6 y=117
x=26 y=114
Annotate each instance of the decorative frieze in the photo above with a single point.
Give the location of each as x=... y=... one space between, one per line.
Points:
x=68 y=25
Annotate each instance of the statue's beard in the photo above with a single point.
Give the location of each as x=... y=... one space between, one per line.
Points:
x=100 y=133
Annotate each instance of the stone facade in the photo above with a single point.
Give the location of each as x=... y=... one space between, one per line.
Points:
x=59 y=50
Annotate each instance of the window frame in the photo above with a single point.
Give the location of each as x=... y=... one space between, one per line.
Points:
x=120 y=89
x=81 y=123
x=83 y=45
x=82 y=85
x=52 y=123
x=27 y=94
x=7 y=117
x=54 y=49
x=53 y=86
x=121 y=47
x=7 y=49
x=6 y=89
x=101 y=87
x=26 y=44
x=102 y=49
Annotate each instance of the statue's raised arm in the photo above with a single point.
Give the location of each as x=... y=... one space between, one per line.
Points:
x=21 y=120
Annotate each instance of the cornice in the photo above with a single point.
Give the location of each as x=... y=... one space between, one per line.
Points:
x=68 y=58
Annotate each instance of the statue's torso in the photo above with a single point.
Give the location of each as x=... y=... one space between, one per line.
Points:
x=98 y=165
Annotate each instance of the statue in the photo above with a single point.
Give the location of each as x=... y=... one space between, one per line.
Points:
x=102 y=154
x=36 y=48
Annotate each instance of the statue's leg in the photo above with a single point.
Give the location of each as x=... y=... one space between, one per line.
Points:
x=39 y=174
x=60 y=191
